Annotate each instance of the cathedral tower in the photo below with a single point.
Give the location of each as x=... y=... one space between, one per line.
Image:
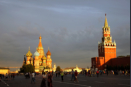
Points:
x=49 y=60
x=28 y=55
x=24 y=61
x=40 y=50
x=36 y=61
x=106 y=48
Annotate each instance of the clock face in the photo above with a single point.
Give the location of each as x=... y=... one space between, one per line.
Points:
x=108 y=38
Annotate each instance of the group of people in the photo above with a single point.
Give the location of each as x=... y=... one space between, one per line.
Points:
x=74 y=76
x=100 y=72
x=46 y=79
x=7 y=76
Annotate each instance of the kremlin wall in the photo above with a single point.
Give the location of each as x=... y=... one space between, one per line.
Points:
x=107 y=51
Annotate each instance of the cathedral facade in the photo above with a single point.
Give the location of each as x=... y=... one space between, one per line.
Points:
x=39 y=60
x=106 y=48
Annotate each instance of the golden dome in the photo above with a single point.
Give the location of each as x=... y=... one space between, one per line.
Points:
x=44 y=58
x=40 y=37
x=29 y=54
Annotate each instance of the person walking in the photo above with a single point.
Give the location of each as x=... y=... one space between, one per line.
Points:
x=107 y=72
x=56 y=73
x=6 y=76
x=62 y=74
x=97 y=72
x=33 y=78
x=76 y=74
x=43 y=83
x=85 y=72
x=49 y=79
x=73 y=76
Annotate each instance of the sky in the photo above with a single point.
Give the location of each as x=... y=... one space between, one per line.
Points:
x=70 y=28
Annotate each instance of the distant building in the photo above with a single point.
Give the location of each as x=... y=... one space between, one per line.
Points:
x=4 y=70
x=107 y=51
x=40 y=60
x=69 y=69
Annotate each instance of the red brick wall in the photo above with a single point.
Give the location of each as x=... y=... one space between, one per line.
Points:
x=99 y=62
x=119 y=61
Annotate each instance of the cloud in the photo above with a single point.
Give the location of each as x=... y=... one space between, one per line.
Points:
x=71 y=30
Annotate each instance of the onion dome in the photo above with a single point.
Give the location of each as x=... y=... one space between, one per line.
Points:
x=40 y=37
x=36 y=53
x=44 y=58
x=29 y=54
x=48 y=53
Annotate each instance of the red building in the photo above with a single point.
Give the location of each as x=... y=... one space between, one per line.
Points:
x=107 y=51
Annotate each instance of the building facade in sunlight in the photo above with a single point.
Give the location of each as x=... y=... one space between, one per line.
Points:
x=69 y=69
x=4 y=70
x=106 y=48
x=40 y=60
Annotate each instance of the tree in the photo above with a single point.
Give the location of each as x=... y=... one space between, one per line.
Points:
x=120 y=56
x=47 y=67
x=58 y=68
x=27 y=68
x=128 y=55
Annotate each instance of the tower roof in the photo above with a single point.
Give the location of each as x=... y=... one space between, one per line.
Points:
x=36 y=53
x=106 y=23
x=29 y=54
x=40 y=37
x=48 y=53
x=44 y=58
x=40 y=43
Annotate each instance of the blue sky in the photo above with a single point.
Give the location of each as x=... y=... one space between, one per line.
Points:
x=71 y=29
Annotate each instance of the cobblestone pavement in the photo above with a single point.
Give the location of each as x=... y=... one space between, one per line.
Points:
x=101 y=81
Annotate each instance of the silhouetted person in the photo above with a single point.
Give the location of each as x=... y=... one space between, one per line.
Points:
x=107 y=72
x=49 y=79
x=56 y=73
x=33 y=77
x=76 y=74
x=97 y=72
x=73 y=76
x=43 y=83
x=62 y=74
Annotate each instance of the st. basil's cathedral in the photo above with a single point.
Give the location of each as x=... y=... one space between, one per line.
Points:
x=40 y=60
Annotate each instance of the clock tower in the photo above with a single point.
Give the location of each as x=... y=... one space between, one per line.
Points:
x=106 y=48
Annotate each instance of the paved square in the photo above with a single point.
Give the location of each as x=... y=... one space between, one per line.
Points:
x=101 y=81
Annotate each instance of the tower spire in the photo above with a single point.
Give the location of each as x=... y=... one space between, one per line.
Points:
x=48 y=48
x=40 y=43
x=29 y=48
x=106 y=23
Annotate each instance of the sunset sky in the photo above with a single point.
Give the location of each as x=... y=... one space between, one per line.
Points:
x=70 y=28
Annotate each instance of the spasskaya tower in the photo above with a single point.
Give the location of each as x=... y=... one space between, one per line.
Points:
x=106 y=48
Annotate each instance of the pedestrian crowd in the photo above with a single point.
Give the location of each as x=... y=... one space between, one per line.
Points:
x=9 y=76
x=91 y=73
